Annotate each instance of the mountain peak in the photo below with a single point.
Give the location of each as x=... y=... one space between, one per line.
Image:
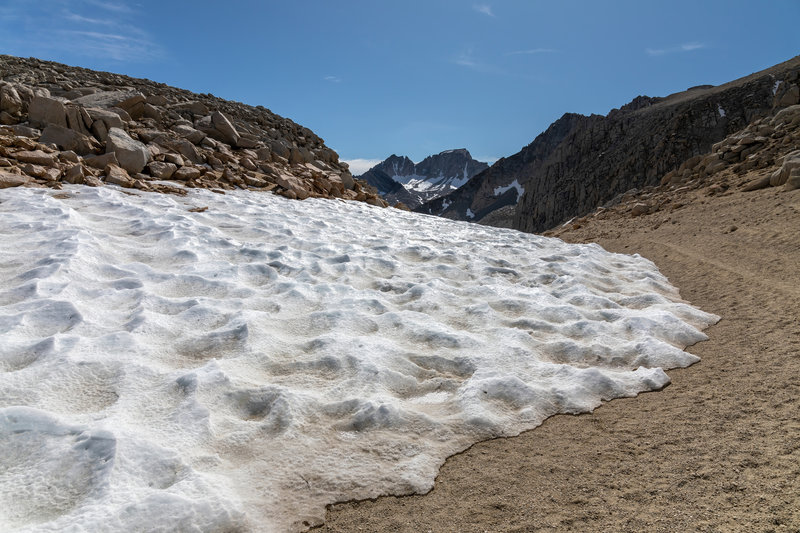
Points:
x=434 y=176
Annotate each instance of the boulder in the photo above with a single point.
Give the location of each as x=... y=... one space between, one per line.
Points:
x=189 y=133
x=247 y=141
x=118 y=176
x=295 y=158
x=121 y=113
x=161 y=170
x=10 y=101
x=68 y=139
x=225 y=128
x=107 y=99
x=7 y=119
x=78 y=119
x=186 y=173
x=156 y=100
x=24 y=131
x=43 y=111
x=187 y=150
x=150 y=111
x=111 y=119
x=348 y=181
x=52 y=174
x=789 y=96
x=12 y=180
x=36 y=157
x=131 y=154
x=264 y=154
x=281 y=148
x=101 y=161
x=640 y=209
x=133 y=105
x=790 y=162
x=69 y=156
x=74 y=175
x=793 y=182
x=293 y=184
x=194 y=107
x=175 y=159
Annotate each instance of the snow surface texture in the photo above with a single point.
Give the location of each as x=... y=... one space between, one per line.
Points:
x=240 y=368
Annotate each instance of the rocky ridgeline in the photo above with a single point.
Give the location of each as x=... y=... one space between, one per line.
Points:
x=583 y=162
x=65 y=124
x=634 y=148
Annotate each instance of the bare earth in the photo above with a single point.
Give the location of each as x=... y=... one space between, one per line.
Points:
x=718 y=450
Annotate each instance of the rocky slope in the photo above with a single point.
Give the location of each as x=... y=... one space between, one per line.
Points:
x=434 y=176
x=772 y=146
x=580 y=162
x=65 y=124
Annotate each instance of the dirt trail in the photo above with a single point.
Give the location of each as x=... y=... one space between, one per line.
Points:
x=718 y=450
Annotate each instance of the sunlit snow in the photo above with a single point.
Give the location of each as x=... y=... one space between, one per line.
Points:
x=513 y=185
x=240 y=368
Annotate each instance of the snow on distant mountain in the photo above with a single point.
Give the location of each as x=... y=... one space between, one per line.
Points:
x=237 y=362
x=434 y=176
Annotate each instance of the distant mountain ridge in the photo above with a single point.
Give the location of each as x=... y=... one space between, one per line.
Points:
x=581 y=162
x=434 y=176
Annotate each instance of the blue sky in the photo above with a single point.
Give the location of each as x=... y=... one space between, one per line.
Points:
x=414 y=77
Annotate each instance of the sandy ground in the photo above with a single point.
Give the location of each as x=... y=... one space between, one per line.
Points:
x=717 y=450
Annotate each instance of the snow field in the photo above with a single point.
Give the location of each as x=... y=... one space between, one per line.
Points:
x=242 y=367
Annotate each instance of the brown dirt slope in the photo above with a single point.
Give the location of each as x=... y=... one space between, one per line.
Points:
x=717 y=451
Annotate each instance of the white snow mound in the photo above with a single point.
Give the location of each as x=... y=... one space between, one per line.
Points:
x=240 y=368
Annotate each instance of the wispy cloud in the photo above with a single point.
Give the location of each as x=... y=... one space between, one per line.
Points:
x=102 y=29
x=685 y=47
x=531 y=51
x=486 y=9
x=116 y=7
x=333 y=79
x=688 y=47
x=74 y=17
x=359 y=166
x=468 y=60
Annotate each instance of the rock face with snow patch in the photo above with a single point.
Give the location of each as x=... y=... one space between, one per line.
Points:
x=434 y=176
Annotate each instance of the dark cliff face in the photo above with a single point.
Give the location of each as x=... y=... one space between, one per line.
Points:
x=581 y=162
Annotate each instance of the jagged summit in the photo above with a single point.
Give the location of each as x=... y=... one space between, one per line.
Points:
x=432 y=177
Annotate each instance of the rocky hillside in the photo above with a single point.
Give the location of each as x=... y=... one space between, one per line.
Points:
x=65 y=124
x=434 y=176
x=580 y=162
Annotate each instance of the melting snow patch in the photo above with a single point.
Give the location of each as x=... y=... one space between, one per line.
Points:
x=469 y=213
x=242 y=367
x=513 y=185
x=720 y=110
x=775 y=87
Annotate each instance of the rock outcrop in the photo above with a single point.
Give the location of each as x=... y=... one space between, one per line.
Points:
x=580 y=162
x=61 y=124
x=434 y=176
